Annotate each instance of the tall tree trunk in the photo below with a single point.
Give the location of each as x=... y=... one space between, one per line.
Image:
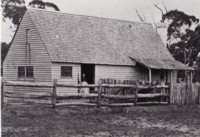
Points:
x=184 y=56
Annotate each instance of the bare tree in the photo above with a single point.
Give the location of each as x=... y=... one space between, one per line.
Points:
x=165 y=7
x=142 y=19
x=159 y=9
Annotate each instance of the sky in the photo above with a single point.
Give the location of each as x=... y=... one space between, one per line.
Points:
x=116 y=9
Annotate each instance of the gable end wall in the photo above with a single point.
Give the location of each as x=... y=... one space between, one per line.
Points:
x=18 y=55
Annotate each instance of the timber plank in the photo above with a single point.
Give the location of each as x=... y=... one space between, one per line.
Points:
x=74 y=104
x=77 y=96
x=152 y=95
x=118 y=96
x=118 y=105
x=152 y=103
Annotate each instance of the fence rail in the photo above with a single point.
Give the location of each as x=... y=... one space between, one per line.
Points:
x=28 y=84
x=50 y=84
x=100 y=95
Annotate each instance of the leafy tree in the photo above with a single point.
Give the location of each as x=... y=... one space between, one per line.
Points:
x=4 y=50
x=183 y=38
x=43 y=5
x=15 y=9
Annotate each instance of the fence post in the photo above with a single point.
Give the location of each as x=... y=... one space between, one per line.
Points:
x=136 y=95
x=99 y=94
x=54 y=93
x=2 y=94
x=169 y=93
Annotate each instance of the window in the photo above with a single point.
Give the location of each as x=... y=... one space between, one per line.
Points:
x=21 y=71
x=25 y=71
x=66 y=71
x=29 y=71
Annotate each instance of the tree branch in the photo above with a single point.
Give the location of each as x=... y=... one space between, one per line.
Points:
x=141 y=19
x=144 y=18
x=165 y=7
x=154 y=22
x=159 y=9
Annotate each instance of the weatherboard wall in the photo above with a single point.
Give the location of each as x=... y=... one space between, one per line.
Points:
x=76 y=74
x=116 y=72
x=18 y=55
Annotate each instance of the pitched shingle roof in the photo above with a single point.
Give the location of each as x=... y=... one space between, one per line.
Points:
x=95 y=40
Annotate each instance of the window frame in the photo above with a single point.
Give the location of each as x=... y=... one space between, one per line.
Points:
x=67 y=76
x=25 y=69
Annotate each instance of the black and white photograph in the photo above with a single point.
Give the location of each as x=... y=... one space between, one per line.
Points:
x=100 y=68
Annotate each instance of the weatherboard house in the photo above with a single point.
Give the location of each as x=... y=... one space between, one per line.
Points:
x=53 y=45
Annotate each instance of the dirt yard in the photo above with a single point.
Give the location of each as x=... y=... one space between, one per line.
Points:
x=156 y=121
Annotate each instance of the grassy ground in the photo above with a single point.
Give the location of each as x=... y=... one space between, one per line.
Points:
x=43 y=121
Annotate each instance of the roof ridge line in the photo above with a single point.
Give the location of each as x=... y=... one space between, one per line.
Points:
x=28 y=9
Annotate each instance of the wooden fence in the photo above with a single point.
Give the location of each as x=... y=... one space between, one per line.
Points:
x=121 y=95
x=26 y=96
x=185 y=93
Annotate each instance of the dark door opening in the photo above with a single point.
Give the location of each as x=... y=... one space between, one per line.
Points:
x=87 y=70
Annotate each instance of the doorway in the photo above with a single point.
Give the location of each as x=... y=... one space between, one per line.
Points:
x=89 y=71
